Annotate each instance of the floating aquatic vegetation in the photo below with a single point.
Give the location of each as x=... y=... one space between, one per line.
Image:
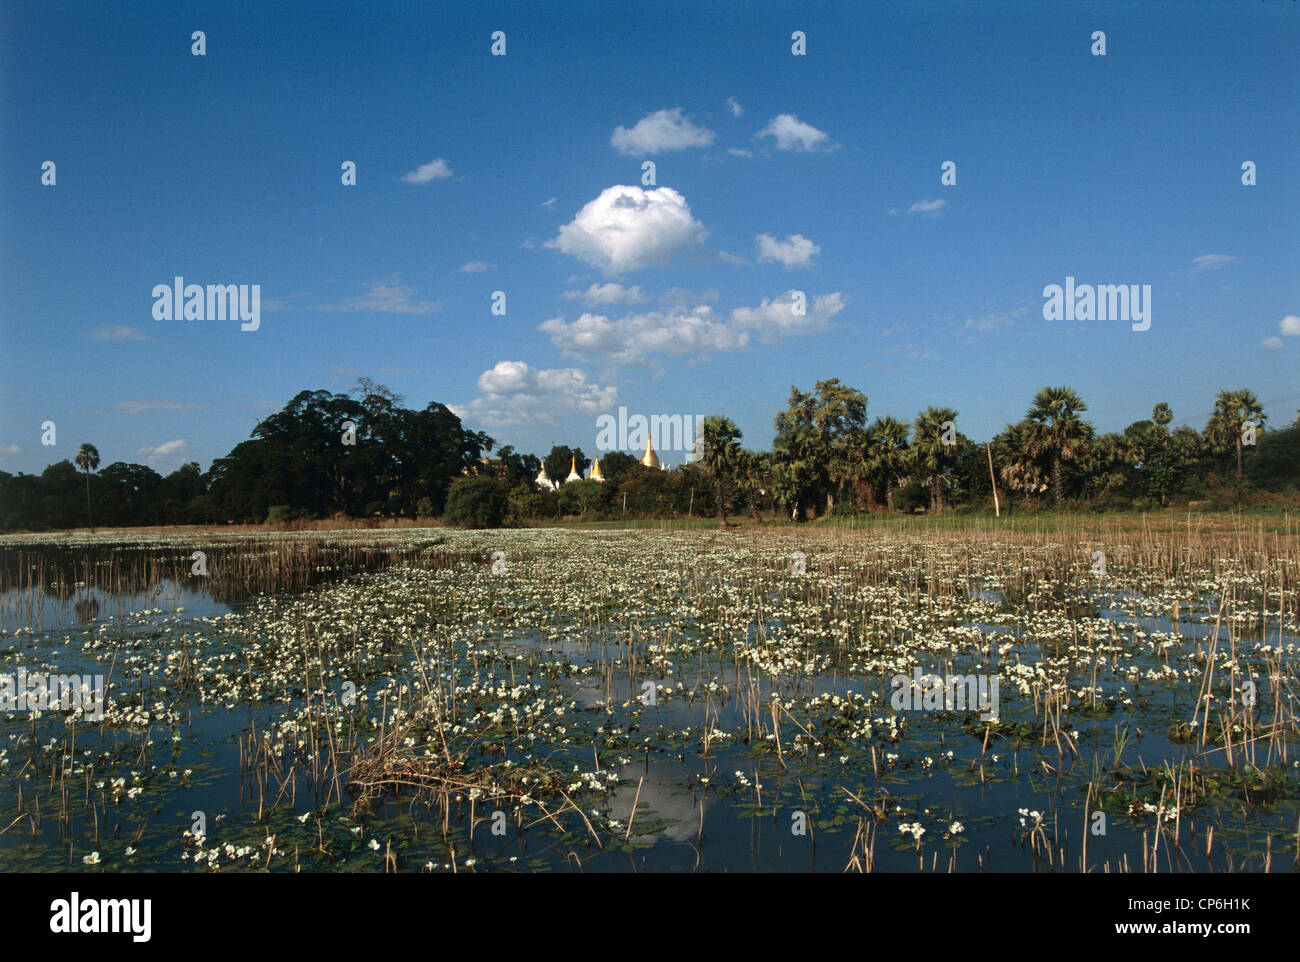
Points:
x=658 y=694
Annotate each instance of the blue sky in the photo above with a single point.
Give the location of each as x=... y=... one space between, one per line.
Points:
x=818 y=173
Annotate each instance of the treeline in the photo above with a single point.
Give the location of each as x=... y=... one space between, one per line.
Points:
x=364 y=455
x=828 y=458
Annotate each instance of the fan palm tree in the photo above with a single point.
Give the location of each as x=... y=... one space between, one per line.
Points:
x=931 y=457
x=1021 y=468
x=720 y=456
x=1059 y=433
x=88 y=460
x=1232 y=409
x=752 y=478
x=888 y=454
x=796 y=468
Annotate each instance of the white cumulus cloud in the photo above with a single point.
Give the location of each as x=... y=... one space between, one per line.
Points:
x=795 y=251
x=791 y=133
x=612 y=293
x=777 y=318
x=681 y=329
x=660 y=132
x=516 y=394
x=436 y=169
x=633 y=339
x=1289 y=325
x=165 y=453
x=627 y=229
x=734 y=106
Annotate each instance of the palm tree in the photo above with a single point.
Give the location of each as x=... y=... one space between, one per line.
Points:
x=888 y=453
x=720 y=456
x=1021 y=468
x=1232 y=409
x=932 y=458
x=797 y=471
x=752 y=478
x=88 y=460
x=1059 y=432
x=1162 y=414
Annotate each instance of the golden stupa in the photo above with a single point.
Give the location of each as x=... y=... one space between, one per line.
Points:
x=595 y=472
x=649 y=459
x=573 y=470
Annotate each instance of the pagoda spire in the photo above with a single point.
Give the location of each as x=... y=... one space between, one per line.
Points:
x=649 y=459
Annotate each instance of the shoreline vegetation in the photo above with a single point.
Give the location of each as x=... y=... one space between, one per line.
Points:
x=1281 y=515
x=335 y=460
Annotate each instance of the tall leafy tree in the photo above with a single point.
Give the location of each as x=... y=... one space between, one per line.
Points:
x=1232 y=409
x=753 y=477
x=88 y=460
x=798 y=476
x=561 y=458
x=720 y=457
x=1021 y=466
x=933 y=455
x=889 y=456
x=1059 y=432
x=824 y=432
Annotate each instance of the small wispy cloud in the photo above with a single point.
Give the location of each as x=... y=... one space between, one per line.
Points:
x=145 y=405
x=436 y=169
x=474 y=267
x=384 y=299
x=994 y=320
x=10 y=451
x=931 y=207
x=162 y=452
x=366 y=372
x=115 y=332
x=548 y=203
x=734 y=106
x=1211 y=262
x=910 y=352
x=1272 y=343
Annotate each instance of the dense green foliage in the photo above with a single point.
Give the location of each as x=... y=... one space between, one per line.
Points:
x=365 y=455
x=475 y=503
